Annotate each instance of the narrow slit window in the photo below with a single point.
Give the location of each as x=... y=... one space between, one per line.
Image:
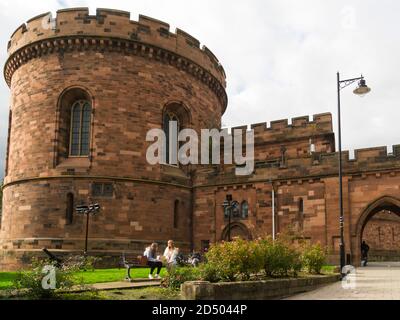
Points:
x=69 y=215
x=176 y=214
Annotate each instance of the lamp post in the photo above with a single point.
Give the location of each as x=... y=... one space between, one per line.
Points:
x=361 y=90
x=87 y=210
x=229 y=205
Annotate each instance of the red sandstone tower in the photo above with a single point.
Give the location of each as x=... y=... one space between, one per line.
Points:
x=84 y=92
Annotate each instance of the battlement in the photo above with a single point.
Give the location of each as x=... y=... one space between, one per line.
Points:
x=299 y=127
x=115 y=24
x=374 y=161
x=364 y=155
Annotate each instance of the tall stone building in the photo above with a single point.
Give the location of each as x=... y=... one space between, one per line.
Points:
x=86 y=89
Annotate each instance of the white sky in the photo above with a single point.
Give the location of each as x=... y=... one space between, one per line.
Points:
x=281 y=57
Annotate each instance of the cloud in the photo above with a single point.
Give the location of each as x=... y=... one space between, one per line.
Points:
x=281 y=57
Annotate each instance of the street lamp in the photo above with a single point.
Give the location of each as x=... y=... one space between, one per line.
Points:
x=229 y=205
x=361 y=90
x=87 y=210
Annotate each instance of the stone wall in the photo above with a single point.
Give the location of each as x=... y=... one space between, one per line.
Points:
x=382 y=234
x=253 y=290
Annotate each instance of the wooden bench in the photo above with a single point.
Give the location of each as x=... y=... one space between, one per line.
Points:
x=131 y=261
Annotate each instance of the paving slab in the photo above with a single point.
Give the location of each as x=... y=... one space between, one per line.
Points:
x=120 y=285
x=377 y=281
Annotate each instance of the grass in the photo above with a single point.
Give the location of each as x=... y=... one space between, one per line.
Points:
x=328 y=269
x=112 y=275
x=87 y=277
x=6 y=279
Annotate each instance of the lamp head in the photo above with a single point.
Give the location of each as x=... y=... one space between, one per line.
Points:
x=82 y=209
x=362 y=89
x=225 y=204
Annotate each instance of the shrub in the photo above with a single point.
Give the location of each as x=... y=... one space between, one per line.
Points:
x=314 y=257
x=82 y=262
x=230 y=261
x=179 y=275
x=209 y=272
x=242 y=260
x=31 y=280
x=248 y=258
x=219 y=261
x=278 y=258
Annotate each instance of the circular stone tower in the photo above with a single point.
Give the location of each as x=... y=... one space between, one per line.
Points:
x=85 y=90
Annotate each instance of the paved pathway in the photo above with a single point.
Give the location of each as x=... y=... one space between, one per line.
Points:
x=377 y=281
x=137 y=283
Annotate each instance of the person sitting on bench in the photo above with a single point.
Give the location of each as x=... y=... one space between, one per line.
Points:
x=153 y=261
x=170 y=255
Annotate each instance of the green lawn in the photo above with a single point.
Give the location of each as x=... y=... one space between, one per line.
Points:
x=328 y=269
x=88 y=277
x=6 y=279
x=111 y=275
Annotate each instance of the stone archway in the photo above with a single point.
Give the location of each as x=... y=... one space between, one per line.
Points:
x=385 y=203
x=238 y=230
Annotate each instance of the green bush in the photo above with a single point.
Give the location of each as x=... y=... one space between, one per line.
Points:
x=278 y=258
x=209 y=272
x=220 y=261
x=31 y=280
x=314 y=258
x=230 y=261
x=179 y=275
x=247 y=255
x=243 y=260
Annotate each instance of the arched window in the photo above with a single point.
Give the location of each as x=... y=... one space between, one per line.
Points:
x=74 y=113
x=235 y=209
x=176 y=214
x=226 y=212
x=245 y=209
x=170 y=122
x=80 y=128
x=179 y=116
x=69 y=214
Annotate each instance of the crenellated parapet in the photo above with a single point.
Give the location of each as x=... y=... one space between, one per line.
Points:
x=366 y=158
x=300 y=127
x=75 y=29
x=375 y=161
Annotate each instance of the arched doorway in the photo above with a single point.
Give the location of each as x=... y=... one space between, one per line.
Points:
x=382 y=213
x=237 y=230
